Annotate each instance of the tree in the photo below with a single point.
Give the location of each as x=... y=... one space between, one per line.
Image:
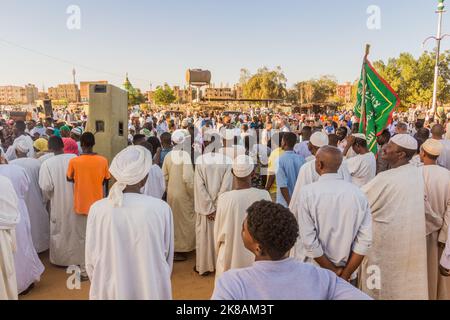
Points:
x=317 y=90
x=135 y=96
x=413 y=79
x=265 y=84
x=164 y=95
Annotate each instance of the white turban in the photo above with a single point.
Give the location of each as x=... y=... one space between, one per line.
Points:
x=319 y=139
x=22 y=145
x=179 y=136
x=360 y=136
x=129 y=167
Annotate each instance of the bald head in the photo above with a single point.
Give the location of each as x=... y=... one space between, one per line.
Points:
x=437 y=131
x=328 y=160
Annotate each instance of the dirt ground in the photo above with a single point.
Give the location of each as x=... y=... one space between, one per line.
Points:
x=186 y=284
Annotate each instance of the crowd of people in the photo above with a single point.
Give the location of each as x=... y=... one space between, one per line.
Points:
x=278 y=206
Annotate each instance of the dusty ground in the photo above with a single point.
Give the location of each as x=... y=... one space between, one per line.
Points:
x=186 y=284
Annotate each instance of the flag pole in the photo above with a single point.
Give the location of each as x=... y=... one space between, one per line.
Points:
x=363 y=96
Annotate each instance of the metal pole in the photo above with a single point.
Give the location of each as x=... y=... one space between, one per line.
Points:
x=440 y=11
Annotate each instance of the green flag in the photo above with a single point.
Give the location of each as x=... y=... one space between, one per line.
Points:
x=376 y=108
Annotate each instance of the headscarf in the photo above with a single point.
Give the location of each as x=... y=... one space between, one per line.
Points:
x=41 y=144
x=70 y=146
x=129 y=167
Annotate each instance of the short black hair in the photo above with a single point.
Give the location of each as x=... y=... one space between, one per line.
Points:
x=20 y=125
x=290 y=139
x=87 y=140
x=154 y=141
x=274 y=227
x=166 y=137
x=138 y=137
x=361 y=142
x=333 y=140
x=55 y=143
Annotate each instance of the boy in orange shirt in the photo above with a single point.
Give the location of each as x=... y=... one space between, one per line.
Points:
x=90 y=173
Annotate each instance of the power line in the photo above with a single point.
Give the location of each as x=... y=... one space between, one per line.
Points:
x=71 y=63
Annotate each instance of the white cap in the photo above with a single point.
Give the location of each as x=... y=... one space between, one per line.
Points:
x=243 y=166
x=360 y=136
x=22 y=145
x=319 y=139
x=433 y=147
x=405 y=141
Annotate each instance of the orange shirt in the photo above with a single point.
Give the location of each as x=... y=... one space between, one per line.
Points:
x=88 y=173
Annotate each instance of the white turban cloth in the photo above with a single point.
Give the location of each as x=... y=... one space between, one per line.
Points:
x=129 y=167
x=22 y=144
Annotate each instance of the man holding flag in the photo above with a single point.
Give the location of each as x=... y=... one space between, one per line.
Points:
x=396 y=266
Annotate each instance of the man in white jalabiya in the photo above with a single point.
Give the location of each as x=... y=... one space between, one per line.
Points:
x=39 y=218
x=396 y=266
x=28 y=266
x=67 y=229
x=363 y=166
x=156 y=185
x=308 y=173
x=212 y=178
x=129 y=238
x=231 y=211
x=9 y=218
x=179 y=175
x=334 y=219
x=437 y=213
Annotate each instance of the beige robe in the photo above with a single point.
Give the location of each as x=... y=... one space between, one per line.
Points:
x=212 y=178
x=437 y=213
x=396 y=266
x=179 y=176
x=231 y=212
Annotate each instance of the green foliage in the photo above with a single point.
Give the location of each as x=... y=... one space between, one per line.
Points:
x=164 y=95
x=135 y=96
x=317 y=90
x=265 y=84
x=413 y=79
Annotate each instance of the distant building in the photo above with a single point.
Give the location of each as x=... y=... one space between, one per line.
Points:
x=84 y=89
x=18 y=95
x=220 y=93
x=67 y=92
x=344 y=91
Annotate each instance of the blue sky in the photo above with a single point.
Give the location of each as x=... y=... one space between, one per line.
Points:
x=155 y=41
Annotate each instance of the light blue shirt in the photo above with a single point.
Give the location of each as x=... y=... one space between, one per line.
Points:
x=288 y=169
x=287 y=279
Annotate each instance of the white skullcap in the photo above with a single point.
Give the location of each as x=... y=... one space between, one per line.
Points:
x=360 y=136
x=22 y=145
x=405 y=141
x=433 y=147
x=129 y=167
x=319 y=139
x=179 y=136
x=243 y=166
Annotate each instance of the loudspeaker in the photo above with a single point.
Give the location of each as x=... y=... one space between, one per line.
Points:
x=45 y=107
x=108 y=119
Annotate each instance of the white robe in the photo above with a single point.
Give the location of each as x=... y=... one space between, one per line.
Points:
x=362 y=168
x=9 y=218
x=334 y=220
x=39 y=217
x=231 y=212
x=399 y=236
x=156 y=184
x=129 y=250
x=444 y=158
x=28 y=266
x=67 y=229
x=308 y=175
x=437 y=213
x=212 y=178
